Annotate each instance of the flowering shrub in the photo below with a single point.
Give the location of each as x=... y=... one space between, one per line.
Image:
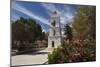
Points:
x=71 y=52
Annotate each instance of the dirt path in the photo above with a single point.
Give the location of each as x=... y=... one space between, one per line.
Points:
x=39 y=57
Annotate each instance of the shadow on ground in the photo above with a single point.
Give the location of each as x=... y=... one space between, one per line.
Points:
x=36 y=53
x=31 y=52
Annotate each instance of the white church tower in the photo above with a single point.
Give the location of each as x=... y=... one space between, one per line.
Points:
x=55 y=38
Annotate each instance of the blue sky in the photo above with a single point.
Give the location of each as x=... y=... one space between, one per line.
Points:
x=41 y=12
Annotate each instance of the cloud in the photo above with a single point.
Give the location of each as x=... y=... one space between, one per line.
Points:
x=67 y=18
x=14 y=17
x=44 y=30
x=25 y=11
x=65 y=13
x=49 y=7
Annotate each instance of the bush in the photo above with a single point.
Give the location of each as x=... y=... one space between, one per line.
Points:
x=71 y=52
x=55 y=57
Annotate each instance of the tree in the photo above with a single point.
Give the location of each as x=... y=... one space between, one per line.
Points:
x=26 y=30
x=68 y=32
x=84 y=23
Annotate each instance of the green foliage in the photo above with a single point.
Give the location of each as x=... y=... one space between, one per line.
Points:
x=68 y=32
x=54 y=57
x=26 y=30
x=84 y=23
x=73 y=53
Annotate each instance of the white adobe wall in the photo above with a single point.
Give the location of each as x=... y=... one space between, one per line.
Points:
x=57 y=42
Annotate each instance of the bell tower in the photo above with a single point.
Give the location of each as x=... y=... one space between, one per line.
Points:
x=54 y=38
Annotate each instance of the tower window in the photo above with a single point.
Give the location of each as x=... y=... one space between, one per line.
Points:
x=52 y=43
x=54 y=33
x=53 y=23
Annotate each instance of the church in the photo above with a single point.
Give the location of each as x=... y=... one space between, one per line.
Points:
x=55 y=37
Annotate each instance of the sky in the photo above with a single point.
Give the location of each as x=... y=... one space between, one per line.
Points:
x=41 y=12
